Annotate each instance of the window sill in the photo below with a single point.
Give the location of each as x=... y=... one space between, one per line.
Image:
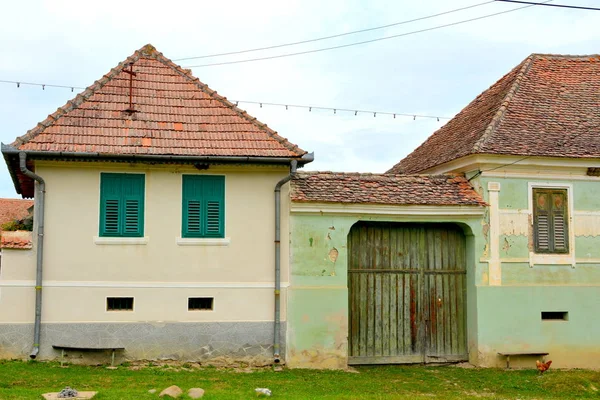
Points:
x=121 y=240
x=203 y=241
x=551 y=259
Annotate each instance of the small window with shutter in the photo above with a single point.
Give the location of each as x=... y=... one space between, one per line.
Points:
x=121 y=205
x=203 y=206
x=550 y=221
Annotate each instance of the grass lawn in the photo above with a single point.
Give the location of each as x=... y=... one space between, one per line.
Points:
x=28 y=380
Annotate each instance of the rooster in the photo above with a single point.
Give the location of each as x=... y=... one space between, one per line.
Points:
x=543 y=366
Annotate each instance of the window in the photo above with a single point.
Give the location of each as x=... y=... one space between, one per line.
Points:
x=200 y=303
x=555 y=316
x=121 y=205
x=119 y=303
x=203 y=206
x=551 y=233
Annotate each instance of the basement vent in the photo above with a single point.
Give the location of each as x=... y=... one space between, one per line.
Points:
x=119 y=303
x=593 y=171
x=555 y=316
x=200 y=303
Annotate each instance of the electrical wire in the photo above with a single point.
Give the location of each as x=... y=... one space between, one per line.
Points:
x=564 y=142
x=550 y=5
x=261 y=104
x=335 y=36
x=364 y=41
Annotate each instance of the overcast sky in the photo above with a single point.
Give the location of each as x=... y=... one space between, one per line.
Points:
x=436 y=73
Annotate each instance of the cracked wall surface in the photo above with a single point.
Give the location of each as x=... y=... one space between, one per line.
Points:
x=250 y=342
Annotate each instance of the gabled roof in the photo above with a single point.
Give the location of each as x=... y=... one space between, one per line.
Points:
x=549 y=105
x=357 y=188
x=176 y=116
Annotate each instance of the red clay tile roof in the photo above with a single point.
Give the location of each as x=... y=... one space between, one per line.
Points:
x=549 y=105
x=16 y=240
x=175 y=115
x=340 y=187
x=13 y=209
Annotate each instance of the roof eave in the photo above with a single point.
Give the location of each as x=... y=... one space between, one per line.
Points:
x=10 y=152
x=7 y=159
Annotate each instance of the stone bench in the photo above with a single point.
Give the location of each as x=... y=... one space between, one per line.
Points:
x=522 y=353
x=63 y=347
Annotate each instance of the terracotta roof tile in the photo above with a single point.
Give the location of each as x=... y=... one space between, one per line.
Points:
x=16 y=240
x=340 y=187
x=176 y=114
x=549 y=105
x=13 y=209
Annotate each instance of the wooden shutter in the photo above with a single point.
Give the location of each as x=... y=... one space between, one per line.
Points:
x=133 y=205
x=551 y=233
x=541 y=220
x=203 y=206
x=559 y=221
x=121 y=205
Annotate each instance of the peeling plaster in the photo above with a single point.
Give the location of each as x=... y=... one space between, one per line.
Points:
x=514 y=224
x=586 y=225
x=506 y=245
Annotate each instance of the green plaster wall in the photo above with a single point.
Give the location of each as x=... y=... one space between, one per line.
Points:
x=587 y=246
x=499 y=318
x=521 y=274
x=511 y=321
x=514 y=246
x=317 y=326
x=509 y=316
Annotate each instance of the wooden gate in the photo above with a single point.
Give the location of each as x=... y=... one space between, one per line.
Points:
x=407 y=293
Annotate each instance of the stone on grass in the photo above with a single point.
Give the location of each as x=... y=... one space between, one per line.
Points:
x=172 y=391
x=80 y=396
x=152 y=391
x=262 y=392
x=195 y=393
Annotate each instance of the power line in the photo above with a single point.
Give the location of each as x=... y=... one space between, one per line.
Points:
x=334 y=36
x=261 y=104
x=562 y=144
x=365 y=41
x=550 y=5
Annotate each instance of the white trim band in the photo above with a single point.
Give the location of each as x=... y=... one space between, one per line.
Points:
x=393 y=210
x=146 y=285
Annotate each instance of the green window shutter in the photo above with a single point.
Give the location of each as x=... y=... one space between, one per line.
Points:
x=121 y=205
x=203 y=206
x=560 y=227
x=551 y=233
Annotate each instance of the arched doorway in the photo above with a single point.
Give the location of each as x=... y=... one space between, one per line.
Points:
x=407 y=293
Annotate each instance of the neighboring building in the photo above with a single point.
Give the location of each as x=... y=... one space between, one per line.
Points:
x=11 y=211
x=530 y=145
x=159 y=222
x=14 y=210
x=374 y=255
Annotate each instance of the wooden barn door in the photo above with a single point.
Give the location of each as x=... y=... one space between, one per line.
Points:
x=407 y=285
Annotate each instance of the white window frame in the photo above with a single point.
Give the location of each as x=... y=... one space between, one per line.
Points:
x=553 y=259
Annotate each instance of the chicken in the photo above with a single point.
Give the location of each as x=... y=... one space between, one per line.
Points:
x=543 y=366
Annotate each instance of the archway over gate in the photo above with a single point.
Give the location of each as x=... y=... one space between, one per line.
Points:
x=407 y=293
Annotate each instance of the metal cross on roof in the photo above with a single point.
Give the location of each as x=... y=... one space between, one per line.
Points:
x=130 y=110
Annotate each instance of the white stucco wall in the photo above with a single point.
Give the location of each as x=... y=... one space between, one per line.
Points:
x=79 y=273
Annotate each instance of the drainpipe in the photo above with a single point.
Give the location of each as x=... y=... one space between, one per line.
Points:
x=308 y=157
x=39 y=207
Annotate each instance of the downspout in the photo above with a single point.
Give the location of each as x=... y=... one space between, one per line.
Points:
x=277 y=332
x=306 y=158
x=39 y=208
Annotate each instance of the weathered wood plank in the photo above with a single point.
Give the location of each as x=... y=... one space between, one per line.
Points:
x=407 y=292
